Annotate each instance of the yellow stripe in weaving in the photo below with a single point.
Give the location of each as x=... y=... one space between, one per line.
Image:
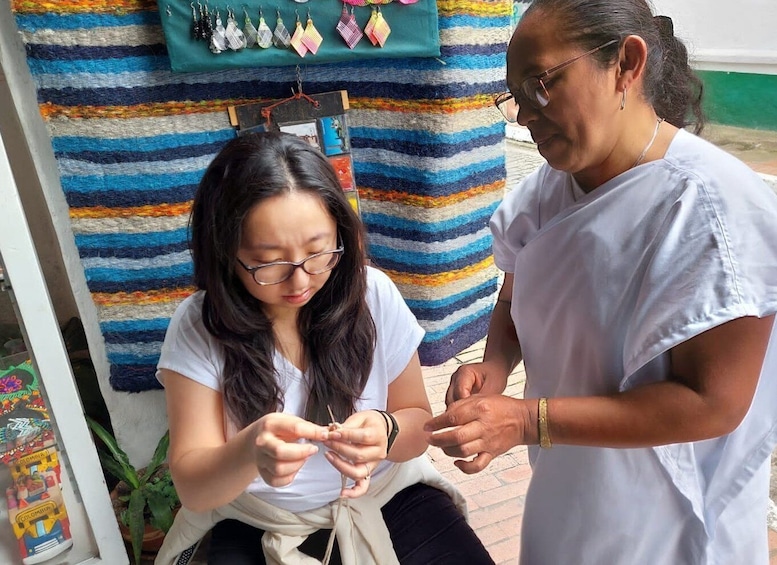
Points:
x=475 y=8
x=440 y=279
x=83 y=6
x=151 y=211
x=420 y=201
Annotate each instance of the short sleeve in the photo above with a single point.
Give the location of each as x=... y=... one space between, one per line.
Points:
x=188 y=348
x=516 y=220
x=398 y=331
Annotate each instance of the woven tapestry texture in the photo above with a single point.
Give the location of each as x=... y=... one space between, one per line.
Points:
x=132 y=140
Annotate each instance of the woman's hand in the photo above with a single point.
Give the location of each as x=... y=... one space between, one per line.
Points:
x=279 y=454
x=357 y=446
x=484 y=427
x=475 y=378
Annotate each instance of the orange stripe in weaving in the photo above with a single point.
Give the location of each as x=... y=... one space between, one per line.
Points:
x=442 y=278
x=397 y=197
x=49 y=110
x=83 y=6
x=141 y=298
x=474 y=8
x=150 y=211
x=444 y=106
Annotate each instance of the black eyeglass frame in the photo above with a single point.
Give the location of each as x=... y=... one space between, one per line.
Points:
x=338 y=252
x=532 y=85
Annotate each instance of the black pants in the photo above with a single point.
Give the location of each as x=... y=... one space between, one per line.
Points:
x=425 y=526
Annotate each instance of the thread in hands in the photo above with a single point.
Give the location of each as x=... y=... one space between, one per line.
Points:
x=334 y=425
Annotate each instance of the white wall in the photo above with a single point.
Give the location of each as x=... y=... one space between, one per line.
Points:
x=726 y=35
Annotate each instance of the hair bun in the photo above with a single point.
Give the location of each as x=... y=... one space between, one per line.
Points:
x=665 y=25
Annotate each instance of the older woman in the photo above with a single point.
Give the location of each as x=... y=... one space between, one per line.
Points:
x=640 y=292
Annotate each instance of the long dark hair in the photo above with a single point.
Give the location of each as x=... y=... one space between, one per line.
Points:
x=336 y=327
x=670 y=84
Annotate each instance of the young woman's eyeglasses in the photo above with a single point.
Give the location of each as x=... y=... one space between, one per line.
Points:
x=279 y=271
x=533 y=89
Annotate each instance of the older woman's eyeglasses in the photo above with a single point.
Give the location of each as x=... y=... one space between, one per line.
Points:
x=279 y=271
x=533 y=90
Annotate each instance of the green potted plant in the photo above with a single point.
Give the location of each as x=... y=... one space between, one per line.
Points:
x=145 y=499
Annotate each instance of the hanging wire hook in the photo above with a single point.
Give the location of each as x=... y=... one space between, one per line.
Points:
x=298 y=72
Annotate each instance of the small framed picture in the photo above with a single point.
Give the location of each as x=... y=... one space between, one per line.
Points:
x=344 y=170
x=334 y=135
x=306 y=130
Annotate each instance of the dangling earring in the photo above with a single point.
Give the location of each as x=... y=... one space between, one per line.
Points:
x=623 y=99
x=263 y=33
x=280 y=37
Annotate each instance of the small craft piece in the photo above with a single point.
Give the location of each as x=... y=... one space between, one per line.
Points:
x=348 y=28
x=381 y=30
x=236 y=39
x=311 y=38
x=206 y=25
x=264 y=38
x=371 y=25
x=296 y=39
x=196 y=34
x=218 y=41
x=280 y=37
x=249 y=30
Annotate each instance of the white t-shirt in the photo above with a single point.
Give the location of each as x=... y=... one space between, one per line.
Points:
x=606 y=283
x=191 y=351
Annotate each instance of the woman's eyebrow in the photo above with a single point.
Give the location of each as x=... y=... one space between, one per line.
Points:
x=273 y=247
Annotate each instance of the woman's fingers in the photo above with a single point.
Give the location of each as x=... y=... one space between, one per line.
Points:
x=293 y=428
x=360 y=473
x=279 y=452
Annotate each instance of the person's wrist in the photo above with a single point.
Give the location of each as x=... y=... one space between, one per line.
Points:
x=543 y=424
x=392 y=429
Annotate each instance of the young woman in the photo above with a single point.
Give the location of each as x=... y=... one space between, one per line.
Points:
x=640 y=292
x=294 y=389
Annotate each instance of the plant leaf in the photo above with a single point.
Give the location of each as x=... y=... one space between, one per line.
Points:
x=135 y=521
x=113 y=467
x=160 y=454
x=161 y=511
x=117 y=452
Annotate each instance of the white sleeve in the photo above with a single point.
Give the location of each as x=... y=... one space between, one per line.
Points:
x=398 y=331
x=516 y=219
x=189 y=349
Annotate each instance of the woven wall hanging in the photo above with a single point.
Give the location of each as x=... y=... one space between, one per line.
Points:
x=132 y=140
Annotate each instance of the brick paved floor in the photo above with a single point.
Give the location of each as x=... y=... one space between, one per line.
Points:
x=495 y=495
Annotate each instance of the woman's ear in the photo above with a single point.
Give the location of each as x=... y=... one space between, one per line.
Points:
x=631 y=62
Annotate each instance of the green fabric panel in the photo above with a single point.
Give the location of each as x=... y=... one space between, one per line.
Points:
x=740 y=99
x=414 y=33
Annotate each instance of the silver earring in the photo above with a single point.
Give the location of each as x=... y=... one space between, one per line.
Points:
x=623 y=99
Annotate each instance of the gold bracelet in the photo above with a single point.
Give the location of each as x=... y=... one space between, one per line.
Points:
x=542 y=423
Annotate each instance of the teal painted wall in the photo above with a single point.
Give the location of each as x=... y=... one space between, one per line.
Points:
x=740 y=99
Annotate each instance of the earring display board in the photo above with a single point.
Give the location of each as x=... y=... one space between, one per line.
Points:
x=320 y=119
x=215 y=35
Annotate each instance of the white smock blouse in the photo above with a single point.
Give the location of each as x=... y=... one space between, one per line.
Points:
x=194 y=353
x=606 y=283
